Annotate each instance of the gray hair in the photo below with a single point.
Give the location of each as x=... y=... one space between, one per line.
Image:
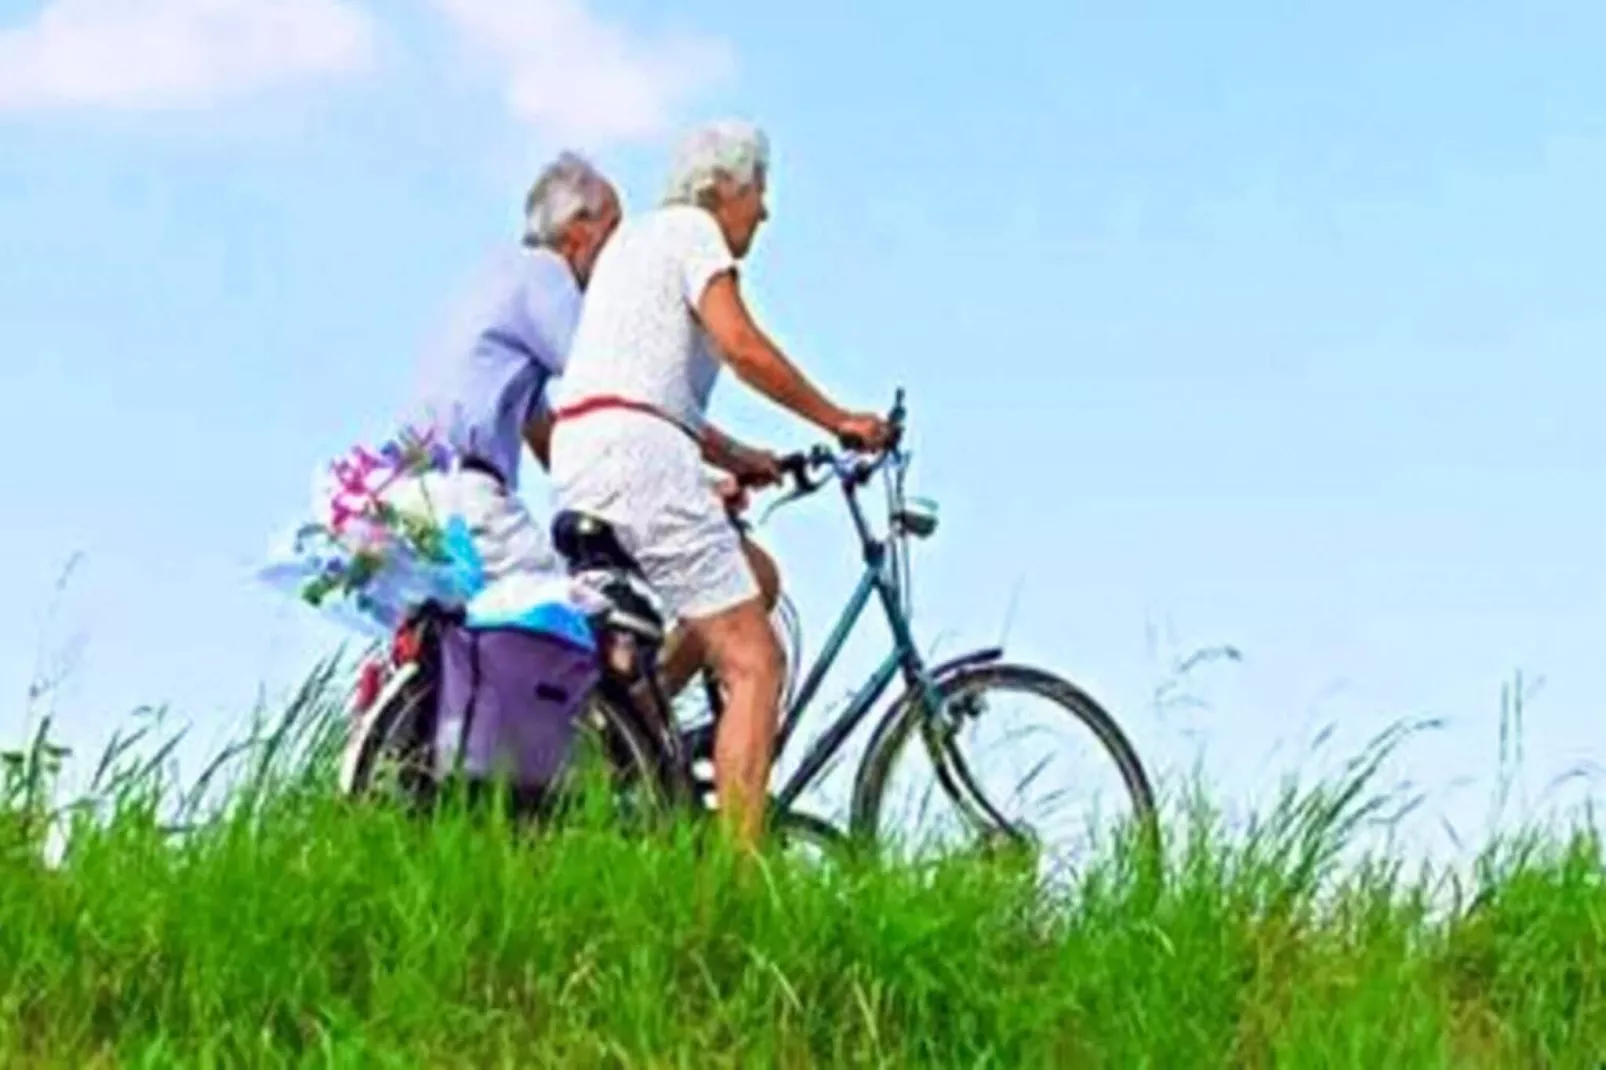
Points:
x=567 y=188
x=731 y=148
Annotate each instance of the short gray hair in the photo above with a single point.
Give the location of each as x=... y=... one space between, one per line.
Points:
x=733 y=149
x=567 y=188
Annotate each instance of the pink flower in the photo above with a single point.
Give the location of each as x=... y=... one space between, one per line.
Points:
x=360 y=479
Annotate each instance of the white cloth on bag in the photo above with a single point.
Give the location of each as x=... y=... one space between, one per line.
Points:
x=506 y=537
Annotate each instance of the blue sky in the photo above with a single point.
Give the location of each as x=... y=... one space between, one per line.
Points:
x=1234 y=325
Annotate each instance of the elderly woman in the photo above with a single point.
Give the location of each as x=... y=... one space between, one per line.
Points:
x=663 y=313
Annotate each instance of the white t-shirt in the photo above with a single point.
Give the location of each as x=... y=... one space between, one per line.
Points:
x=637 y=337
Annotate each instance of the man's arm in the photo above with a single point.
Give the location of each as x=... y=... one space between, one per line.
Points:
x=720 y=449
x=750 y=465
x=756 y=360
x=538 y=434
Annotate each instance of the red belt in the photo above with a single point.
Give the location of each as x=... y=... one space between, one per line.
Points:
x=610 y=401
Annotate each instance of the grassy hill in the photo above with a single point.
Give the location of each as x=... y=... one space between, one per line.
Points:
x=286 y=929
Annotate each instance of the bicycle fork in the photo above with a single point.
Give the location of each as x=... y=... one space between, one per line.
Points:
x=940 y=722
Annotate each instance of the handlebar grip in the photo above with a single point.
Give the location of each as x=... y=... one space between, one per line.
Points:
x=858 y=445
x=895 y=419
x=795 y=465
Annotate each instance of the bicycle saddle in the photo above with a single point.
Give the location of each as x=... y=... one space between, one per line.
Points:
x=591 y=546
x=588 y=542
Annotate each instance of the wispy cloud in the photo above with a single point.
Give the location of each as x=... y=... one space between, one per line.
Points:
x=563 y=70
x=580 y=79
x=151 y=54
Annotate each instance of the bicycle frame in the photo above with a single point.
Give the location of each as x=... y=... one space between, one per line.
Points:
x=879 y=579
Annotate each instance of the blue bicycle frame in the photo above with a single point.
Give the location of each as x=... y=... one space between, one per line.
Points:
x=880 y=579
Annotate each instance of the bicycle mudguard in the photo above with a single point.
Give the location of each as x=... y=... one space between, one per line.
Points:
x=362 y=724
x=984 y=656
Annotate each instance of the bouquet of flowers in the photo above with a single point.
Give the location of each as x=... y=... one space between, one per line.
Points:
x=363 y=560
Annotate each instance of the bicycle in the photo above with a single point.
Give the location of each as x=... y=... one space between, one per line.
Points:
x=649 y=748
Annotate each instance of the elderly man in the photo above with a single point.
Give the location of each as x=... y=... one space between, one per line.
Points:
x=663 y=313
x=485 y=393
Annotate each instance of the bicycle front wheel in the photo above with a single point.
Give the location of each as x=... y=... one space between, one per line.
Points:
x=1031 y=760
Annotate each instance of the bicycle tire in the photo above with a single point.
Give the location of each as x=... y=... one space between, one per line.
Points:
x=632 y=746
x=899 y=726
x=387 y=732
x=792 y=828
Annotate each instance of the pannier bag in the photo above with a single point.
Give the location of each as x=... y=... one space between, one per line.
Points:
x=515 y=674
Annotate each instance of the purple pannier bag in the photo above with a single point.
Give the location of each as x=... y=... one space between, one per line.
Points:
x=509 y=702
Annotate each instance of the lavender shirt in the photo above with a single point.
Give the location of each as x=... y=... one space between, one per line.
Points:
x=490 y=374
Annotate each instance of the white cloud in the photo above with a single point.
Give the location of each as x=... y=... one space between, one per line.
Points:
x=580 y=79
x=147 y=54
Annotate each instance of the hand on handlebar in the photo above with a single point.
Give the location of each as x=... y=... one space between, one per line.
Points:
x=766 y=469
x=755 y=468
x=732 y=494
x=858 y=432
x=866 y=432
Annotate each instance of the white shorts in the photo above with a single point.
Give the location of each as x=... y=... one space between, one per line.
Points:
x=506 y=536
x=646 y=479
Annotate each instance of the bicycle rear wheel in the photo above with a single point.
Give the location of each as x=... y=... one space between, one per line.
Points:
x=387 y=749
x=800 y=834
x=390 y=757
x=992 y=783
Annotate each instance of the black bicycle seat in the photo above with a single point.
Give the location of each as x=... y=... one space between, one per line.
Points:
x=588 y=542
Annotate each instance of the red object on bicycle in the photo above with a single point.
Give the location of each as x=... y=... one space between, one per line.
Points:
x=369 y=680
x=406 y=646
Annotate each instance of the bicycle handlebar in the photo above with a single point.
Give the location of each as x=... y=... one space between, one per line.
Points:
x=895 y=420
x=798 y=468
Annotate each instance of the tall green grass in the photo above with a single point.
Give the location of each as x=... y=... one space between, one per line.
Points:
x=252 y=919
